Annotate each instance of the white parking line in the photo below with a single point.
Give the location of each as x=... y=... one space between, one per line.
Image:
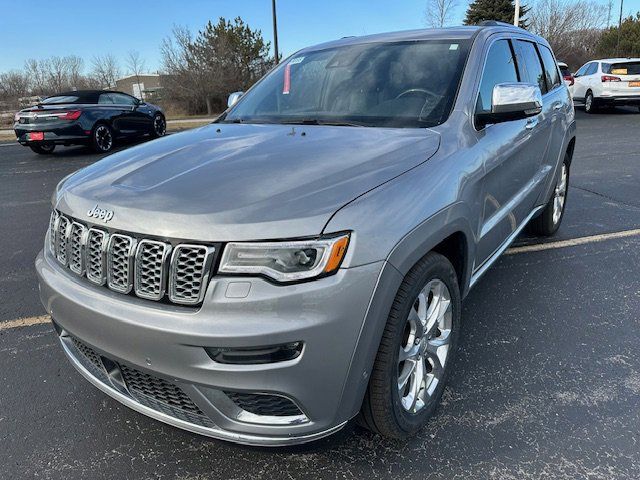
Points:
x=25 y=322
x=8 y=144
x=573 y=242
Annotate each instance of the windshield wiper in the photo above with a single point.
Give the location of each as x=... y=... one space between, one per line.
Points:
x=315 y=121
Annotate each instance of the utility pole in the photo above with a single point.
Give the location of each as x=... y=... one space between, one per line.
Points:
x=619 y=28
x=516 y=14
x=275 y=30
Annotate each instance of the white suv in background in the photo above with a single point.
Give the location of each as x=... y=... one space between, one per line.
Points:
x=612 y=81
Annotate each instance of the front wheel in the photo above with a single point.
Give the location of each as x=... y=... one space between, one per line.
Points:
x=102 y=138
x=416 y=350
x=43 y=149
x=548 y=222
x=159 y=125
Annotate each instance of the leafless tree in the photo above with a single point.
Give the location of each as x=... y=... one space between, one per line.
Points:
x=439 y=12
x=13 y=85
x=185 y=81
x=136 y=66
x=571 y=27
x=105 y=70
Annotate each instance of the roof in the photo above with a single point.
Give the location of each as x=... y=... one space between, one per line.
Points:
x=450 y=33
x=617 y=60
x=84 y=96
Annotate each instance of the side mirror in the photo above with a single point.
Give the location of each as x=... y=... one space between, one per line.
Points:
x=233 y=98
x=512 y=101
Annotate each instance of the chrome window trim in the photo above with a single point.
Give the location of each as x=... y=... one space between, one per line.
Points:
x=206 y=273
x=164 y=272
x=130 y=263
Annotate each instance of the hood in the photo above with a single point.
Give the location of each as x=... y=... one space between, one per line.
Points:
x=227 y=182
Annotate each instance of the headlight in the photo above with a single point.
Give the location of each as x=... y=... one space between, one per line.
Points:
x=286 y=261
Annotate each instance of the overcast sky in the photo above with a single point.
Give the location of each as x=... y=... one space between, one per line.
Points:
x=42 y=28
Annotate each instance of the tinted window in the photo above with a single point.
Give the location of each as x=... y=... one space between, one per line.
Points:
x=404 y=84
x=550 y=67
x=105 y=98
x=499 y=67
x=61 y=99
x=582 y=70
x=593 y=68
x=565 y=71
x=531 y=61
x=122 y=99
x=626 y=68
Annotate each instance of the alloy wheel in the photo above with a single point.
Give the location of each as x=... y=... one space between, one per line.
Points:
x=103 y=138
x=588 y=102
x=425 y=346
x=159 y=125
x=560 y=195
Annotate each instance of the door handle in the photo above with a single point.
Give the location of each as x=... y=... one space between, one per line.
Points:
x=557 y=105
x=531 y=123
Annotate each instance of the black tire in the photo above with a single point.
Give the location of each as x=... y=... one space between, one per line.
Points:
x=546 y=224
x=159 y=126
x=102 y=138
x=383 y=410
x=590 y=104
x=43 y=149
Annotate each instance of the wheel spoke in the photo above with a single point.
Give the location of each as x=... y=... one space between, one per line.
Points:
x=407 y=371
x=407 y=354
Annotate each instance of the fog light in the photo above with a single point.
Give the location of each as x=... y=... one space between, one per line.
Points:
x=255 y=355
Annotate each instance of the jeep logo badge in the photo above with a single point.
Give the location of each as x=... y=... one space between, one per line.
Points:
x=100 y=213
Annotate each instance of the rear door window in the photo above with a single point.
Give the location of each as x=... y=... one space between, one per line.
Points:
x=593 y=68
x=529 y=58
x=550 y=68
x=499 y=67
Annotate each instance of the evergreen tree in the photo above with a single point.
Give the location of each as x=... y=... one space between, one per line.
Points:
x=626 y=44
x=500 y=10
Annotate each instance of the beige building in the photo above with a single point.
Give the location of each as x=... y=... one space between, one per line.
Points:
x=140 y=86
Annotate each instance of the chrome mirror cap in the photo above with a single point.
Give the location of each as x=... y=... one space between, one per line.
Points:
x=521 y=99
x=233 y=98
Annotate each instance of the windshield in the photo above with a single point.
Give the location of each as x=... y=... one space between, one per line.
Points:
x=408 y=84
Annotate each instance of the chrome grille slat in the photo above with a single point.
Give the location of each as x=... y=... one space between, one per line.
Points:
x=189 y=275
x=63 y=226
x=95 y=255
x=75 y=247
x=150 y=268
x=120 y=252
x=52 y=231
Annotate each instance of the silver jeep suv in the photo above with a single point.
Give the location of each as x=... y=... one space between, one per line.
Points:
x=302 y=260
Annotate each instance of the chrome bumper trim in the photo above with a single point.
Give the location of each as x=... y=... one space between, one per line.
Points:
x=245 y=439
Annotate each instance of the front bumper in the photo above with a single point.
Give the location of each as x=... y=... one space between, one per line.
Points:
x=168 y=343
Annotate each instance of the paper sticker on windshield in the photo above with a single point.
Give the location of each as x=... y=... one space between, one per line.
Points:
x=296 y=61
x=453 y=46
x=287 y=79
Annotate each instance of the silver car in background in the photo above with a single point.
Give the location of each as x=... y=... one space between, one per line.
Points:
x=302 y=260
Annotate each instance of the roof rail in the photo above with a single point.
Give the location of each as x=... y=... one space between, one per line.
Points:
x=494 y=23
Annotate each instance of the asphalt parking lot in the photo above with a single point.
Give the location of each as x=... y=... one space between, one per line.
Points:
x=547 y=382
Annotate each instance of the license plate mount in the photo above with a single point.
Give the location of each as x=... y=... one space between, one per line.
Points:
x=634 y=84
x=36 y=136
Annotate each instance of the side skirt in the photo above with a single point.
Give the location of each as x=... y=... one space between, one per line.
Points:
x=478 y=272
